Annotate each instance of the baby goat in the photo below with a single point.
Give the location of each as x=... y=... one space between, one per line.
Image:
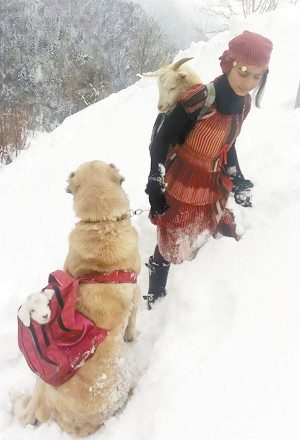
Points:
x=36 y=307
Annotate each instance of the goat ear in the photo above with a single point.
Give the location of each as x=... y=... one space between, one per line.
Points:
x=49 y=293
x=24 y=315
x=156 y=73
x=182 y=75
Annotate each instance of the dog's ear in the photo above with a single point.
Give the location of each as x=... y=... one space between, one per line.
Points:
x=72 y=186
x=116 y=176
x=24 y=315
x=49 y=293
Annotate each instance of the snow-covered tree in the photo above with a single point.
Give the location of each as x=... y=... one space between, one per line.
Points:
x=62 y=56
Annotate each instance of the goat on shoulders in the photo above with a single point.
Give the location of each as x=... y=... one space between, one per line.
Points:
x=173 y=80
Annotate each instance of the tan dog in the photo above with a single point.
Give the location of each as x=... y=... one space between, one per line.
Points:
x=102 y=241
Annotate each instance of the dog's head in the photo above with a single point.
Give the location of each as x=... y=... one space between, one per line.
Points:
x=98 y=194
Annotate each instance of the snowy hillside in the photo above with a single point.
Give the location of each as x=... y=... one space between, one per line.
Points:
x=218 y=358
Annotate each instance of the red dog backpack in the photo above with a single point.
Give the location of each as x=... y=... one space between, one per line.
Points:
x=56 y=350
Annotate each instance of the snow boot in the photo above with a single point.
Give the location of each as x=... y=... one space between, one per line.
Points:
x=158 y=274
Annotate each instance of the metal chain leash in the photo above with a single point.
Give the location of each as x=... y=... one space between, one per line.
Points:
x=137 y=212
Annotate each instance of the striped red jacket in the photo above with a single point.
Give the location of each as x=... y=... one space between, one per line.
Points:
x=198 y=175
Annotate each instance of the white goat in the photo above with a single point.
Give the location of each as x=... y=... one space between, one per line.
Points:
x=36 y=307
x=173 y=80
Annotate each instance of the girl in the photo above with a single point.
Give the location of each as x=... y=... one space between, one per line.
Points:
x=189 y=188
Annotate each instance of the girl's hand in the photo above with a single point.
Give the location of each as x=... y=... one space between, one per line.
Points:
x=242 y=193
x=156 y=190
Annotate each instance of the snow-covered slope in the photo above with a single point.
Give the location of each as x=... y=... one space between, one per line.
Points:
x=218 y=358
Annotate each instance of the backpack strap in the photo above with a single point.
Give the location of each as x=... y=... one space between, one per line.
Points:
x=210 y=99
x=117 y=276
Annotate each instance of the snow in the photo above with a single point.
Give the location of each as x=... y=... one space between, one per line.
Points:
x=218 y=358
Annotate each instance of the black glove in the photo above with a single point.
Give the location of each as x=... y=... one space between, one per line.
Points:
x=242 y=192
x=156 y=190
x=241 y=186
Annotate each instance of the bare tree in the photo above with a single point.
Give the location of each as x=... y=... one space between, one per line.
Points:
x=151 y=46
x=87 y=82
x=224 y=9
x=16 y=124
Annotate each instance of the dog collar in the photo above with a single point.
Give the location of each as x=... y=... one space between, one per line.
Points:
x=108 y=219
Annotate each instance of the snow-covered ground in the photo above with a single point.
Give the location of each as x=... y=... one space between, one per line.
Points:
x=218 y=358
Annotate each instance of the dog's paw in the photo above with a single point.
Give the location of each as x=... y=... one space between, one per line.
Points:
x=20 y=404
x=15 y=396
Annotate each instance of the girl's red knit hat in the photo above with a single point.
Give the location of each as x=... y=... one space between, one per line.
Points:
x=249 y=49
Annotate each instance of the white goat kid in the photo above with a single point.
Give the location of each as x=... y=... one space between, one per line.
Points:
x=36 y=307
x=173 y=80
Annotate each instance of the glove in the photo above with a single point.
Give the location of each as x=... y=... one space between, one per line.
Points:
x=241 y=187
x=242 y=193
x=156 y=190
